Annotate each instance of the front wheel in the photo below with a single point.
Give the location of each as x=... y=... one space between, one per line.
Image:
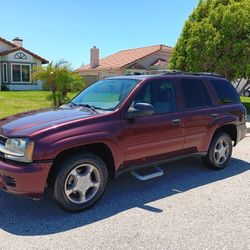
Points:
x=220 y=151
x=80 y=182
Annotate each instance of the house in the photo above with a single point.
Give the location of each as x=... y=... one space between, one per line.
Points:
x=146 y=60
x=16 y=64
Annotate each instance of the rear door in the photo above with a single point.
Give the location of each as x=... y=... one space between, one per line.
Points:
x=155 y=137
x=199 y=112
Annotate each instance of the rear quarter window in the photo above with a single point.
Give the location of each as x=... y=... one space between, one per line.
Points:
x=195 y=93
x=225 y=91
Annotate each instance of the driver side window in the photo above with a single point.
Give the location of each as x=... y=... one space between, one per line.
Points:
x=160 y=94
x=144 y=95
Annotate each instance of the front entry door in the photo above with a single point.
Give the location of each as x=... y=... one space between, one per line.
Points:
x=160 y=135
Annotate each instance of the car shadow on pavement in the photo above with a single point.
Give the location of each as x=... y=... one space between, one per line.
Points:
x=26 y=217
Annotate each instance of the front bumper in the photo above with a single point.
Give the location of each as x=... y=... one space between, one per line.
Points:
x=241 y=132
x=29 y=180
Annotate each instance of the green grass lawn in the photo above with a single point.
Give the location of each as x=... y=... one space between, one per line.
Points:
x=246 y=102
x=13 y=102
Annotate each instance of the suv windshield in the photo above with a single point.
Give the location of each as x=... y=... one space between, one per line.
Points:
x=105 y=94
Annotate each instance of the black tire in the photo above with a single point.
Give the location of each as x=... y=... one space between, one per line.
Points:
x=212 y=160
x=63 y=175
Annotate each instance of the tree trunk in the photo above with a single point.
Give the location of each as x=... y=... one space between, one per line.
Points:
x=53 y=90
x=63 y=96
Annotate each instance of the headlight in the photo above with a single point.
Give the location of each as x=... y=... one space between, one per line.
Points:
x=18 y=149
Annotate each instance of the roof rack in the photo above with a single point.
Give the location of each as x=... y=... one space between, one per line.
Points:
x=174 y=72
x=167 y=72
x=204 y=73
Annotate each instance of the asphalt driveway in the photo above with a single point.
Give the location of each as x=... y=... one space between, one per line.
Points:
x=190 y=207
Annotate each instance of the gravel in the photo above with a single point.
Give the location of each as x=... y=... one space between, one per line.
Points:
x=189 y=207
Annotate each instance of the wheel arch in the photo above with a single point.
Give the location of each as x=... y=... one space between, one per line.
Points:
x=229 y=129
x=99 y=149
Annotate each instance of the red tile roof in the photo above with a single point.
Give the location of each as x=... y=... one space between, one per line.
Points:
x=125 y=57
x=15 y=48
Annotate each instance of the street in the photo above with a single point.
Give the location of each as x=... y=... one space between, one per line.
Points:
x=189 y=207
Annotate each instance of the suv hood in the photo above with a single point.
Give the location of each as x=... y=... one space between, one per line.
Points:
x=25 y=124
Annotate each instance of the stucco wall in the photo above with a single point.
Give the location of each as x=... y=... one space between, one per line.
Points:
x=102 y=73
x=23 y=87
x=94 y=75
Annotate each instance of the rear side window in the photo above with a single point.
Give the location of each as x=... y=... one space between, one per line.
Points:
x=225 y=91
x=195 y=93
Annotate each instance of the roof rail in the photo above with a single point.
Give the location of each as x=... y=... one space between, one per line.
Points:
x=190 y=73
x=204 y=73
x=167 y=72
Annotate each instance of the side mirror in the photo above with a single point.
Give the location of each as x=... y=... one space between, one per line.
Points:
x=139 y=109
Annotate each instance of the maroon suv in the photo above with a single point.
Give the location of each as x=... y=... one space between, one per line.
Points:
x=116 y=125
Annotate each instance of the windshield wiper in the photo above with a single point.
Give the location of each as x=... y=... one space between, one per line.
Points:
x=93 y=108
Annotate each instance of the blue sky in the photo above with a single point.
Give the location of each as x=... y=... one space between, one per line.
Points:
x=60 y=29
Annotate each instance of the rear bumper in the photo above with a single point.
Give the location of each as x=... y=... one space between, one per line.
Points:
x=27 y=180
x=241 y=132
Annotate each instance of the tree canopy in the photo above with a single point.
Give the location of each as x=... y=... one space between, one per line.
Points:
x=216 y=38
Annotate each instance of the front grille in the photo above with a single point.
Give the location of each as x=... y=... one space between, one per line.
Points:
x=9 y=181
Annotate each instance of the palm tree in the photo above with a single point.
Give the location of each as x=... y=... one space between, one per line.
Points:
x=60 y=79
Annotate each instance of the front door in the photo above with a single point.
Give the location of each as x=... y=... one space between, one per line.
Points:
x=152 y=138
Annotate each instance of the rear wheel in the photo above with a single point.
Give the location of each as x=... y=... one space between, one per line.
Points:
x=220 y=151
x=80 y=182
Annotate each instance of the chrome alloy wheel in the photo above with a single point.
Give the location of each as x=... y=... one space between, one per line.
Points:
x=82 y=183
x=221 y=151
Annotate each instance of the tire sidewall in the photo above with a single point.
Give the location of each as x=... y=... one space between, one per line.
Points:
x=211 y=159
x=62 y=174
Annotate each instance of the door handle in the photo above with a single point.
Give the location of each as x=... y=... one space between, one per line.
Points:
x=176 y=122
x=214 y=115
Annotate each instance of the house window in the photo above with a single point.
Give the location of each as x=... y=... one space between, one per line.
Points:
x=20 y=55
x=20 y=73
x=5 y=73
x=16 y=73
x=25 y=73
